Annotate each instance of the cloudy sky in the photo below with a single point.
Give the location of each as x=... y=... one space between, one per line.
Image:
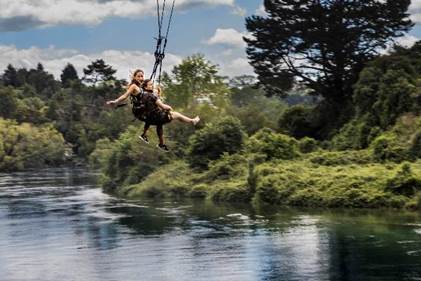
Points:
x=121 y=32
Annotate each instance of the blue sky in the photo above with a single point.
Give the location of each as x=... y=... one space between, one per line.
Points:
x=122 y=31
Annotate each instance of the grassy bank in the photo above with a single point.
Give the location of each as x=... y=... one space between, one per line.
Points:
x=270 y=168
x=299 y=182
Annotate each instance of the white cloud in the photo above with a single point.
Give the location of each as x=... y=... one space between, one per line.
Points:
x=21 y=14
x=261 y=11
x=54 y=60
x=407 y=40
x=236 y=67
x=228 y=37
x=239 y=11
x=415 y=10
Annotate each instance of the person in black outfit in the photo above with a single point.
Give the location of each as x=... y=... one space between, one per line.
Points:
x=151 y=109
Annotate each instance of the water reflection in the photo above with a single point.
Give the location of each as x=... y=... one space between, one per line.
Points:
x=57 y=225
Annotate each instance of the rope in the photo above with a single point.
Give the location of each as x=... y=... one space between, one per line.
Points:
x=160 y=48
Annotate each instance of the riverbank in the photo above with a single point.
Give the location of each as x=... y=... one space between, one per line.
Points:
x=319 y=179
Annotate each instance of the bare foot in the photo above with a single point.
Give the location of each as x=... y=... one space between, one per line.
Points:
x=196 y=120
x=110 y=104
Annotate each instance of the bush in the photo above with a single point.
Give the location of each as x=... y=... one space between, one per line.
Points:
x=225 y=135
x=227 y=167
x=404 y=182
x=126 y=161
x=99 y=157
x=356 y=134
x=363 y=186
x=415 y=202
x=336 y=158
x=307 y=145
x=24 y=146
x=386 y=147
x=297 y=121
x=273 y=145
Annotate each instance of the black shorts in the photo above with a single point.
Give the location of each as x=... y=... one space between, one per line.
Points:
x=158 y=117
x=139 y=112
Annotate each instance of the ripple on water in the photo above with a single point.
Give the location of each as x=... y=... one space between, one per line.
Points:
x=67 y=229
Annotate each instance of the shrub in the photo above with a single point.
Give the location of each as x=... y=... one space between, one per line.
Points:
x=273 y=145
x=307 y=145
x=356 y=134
x=225 y=135
x=24 y=146
x=386 y=147
x=404 y=182
x=297 y=121
x=227 y=167
x=125 y=161
x=336 y=158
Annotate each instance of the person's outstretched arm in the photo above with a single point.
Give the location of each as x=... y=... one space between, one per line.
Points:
x=123 y=97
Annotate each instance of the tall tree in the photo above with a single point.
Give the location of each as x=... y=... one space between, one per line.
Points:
x=321 y=43
x=42 y=81
x=10 y=76
x=98 y=71
x=68 y=74
x=194 y=76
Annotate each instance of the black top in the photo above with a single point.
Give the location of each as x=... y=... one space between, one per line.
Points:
x=145 y=108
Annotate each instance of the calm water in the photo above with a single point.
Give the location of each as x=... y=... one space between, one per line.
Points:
x=57 y=225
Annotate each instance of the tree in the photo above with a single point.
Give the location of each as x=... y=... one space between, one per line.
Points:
x=195 y=76
x=8 y=103
x=386 y=89
x=98 y=71
x=10 y=76
x=68 y=74
x=43 y=82
x=322 y=43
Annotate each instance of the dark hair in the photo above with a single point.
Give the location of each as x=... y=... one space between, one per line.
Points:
x=133 y=76
x=145 y=83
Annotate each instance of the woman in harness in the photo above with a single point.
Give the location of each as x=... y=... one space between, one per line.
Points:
x=150 y=108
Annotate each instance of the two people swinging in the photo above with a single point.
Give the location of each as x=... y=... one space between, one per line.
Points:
x=148 y=107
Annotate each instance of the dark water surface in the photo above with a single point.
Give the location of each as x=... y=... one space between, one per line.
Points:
x=57 y=225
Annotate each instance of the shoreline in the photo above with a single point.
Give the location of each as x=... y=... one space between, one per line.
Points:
x=295 y=183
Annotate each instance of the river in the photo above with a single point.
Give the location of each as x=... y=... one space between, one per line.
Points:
x=58 y=225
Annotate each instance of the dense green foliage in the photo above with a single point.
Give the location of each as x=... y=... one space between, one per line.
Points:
x=324 y=45
x=371 y=162
x=248 y=147
x=326 y=54
x=76 y=110
x=222 y=136
x=24 y=146
x=387 y=88
x=125 y=160
x=271 y=145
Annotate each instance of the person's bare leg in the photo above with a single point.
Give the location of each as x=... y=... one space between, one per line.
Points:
x=180 y=117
